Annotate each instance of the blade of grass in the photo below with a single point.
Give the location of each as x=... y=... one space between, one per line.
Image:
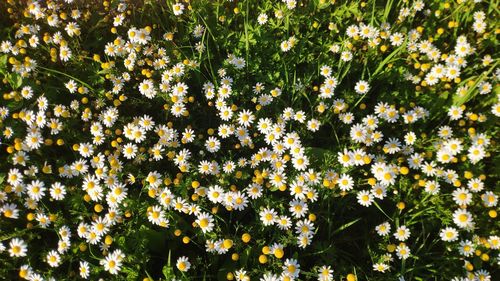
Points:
x=67 y=75
x=383 y=212
x=388 y=59
x=346 y=225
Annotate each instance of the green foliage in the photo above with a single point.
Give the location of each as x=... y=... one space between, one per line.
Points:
x=228 y=43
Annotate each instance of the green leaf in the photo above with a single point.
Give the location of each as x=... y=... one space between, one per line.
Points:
x=3 y=63
x=168 y=272
x=132 y=274
x=15 y=80
x=245 y=255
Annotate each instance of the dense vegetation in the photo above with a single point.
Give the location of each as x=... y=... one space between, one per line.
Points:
x=249 y=140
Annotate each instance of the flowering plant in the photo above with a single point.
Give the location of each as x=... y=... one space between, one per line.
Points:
x=238 y=140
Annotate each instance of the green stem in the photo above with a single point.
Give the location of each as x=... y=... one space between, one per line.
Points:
x=67 y=75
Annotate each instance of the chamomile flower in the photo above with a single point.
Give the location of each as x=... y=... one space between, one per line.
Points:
x=383 y=229
x=146 y=88
x=53 y=258
x=476 y=153
x=402 y=233
x=285 y=46
x=326 y=91
x=14 y=177
x=33 y=140
x=65 y=53
x=300 y=162
x=178 y=9
x=10 y=211
x=268 y=216
x=410 y=138
x=402 y=251
x=495 y=109
x=397 y=39
x=86 y=150
x=240 y=201
x=299 y=116
x=461 y=196
x=57 y=191
x=183 y=264
x=264 y=125
x=463 y=219
x=455 y=112
x=432 y=187
x=262 y=19
x=241 y=275
x=215 y=194
x=298 y=208
x=36 y=190
x=284 y=222
x=362 y=87
x=205 y=222
x=365 y=198
x=156 y=215
x=345 y=182
x=466 y=248
x=325 y=273
x=245 y=118
x=313 y=125
x=212 y=144
x=448 y=234
x=118 y=20
x=380 y=267
x=27 y=92
x=254 y=191
x=489 y=199
x=482 y=274
x=112 y=263
x=84 y=270
x=494 y=242
x=379 y=191
x=17 y=248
